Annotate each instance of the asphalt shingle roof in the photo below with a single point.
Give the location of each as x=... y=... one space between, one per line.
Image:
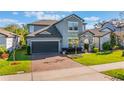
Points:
x=7 y=33
x=51 y=31
x=51 y=28
x=97 y=32
x=43 y=22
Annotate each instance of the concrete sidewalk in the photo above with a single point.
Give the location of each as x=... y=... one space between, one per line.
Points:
x=68 y=74
x=84 y=73
x=71 y=74
x=17 y=77
x=109 y=66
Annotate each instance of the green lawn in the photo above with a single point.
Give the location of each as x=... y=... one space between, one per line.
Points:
x=117 y=73
x=21 y=55
x=94 y=59
x=22 y=60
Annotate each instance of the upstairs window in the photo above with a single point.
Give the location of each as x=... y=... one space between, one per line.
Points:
x=72 y=26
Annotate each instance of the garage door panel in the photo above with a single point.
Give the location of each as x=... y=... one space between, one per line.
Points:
x=40 y=47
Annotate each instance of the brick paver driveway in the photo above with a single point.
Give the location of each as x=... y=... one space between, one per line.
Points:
x=45 y=62
x=58 y=67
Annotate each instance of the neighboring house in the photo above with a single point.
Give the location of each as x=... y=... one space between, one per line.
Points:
x=102 y=33
x=8 y=40
x=94 y=38
x=120 y=37
x=117 y=27
x=114 y=25
x=53 y=36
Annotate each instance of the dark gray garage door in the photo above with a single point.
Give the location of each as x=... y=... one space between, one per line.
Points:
x=44 y=47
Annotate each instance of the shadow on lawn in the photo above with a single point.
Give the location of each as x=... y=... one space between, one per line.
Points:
x=20 y=55
x=19 y=59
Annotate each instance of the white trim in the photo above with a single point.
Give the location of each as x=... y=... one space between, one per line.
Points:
x=73 y=29
x=9 y=43
x=76 y=18
x=59 y=47
x=45 y=40
x=35 y=38
x=31 y=28
x=73 y=38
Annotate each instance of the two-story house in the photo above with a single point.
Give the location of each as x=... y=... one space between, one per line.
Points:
x=51 y=36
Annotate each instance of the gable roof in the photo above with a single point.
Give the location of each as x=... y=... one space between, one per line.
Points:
x=52 y=31
x=7 y=33
x=43 y=22
x=72 y=15
x=96 y=32
x=51 y=22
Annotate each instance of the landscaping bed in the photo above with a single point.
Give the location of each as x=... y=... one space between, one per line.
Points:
x=116 y=73
x=21 y=64
x=103 y=58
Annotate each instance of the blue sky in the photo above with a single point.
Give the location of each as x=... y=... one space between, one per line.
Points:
x=90 y=17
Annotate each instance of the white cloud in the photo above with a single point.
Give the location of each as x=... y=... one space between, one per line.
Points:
x=6 y=21
x=15 y=13
x=89 y=26
x=44 y=15
x=35 y=14
x=92 y=18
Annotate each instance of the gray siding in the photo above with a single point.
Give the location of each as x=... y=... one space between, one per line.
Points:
x=33 y=28
x=38 y=27
x=104 y=39
x=2 y=40
x=63 y=28
x=110 y=26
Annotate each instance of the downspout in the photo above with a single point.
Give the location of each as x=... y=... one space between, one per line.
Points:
x=99 y=43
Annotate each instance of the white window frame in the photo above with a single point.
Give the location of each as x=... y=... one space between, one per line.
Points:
x=31 y=28
x=83 y=27
x=73 y=27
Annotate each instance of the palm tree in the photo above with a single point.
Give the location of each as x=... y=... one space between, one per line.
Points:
x=21 y=31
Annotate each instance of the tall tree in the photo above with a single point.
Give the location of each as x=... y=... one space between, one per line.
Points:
x=113 y=40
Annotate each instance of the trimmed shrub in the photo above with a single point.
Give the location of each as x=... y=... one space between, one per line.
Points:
x=24 y=47
x=95 y=50
x=28 y=50
x=72 y=50
x=116 y=47
x=2 y=49
x=106 y=46
x=104 y=53
x=113 y=40
x=123 y=53
x=5 y=56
